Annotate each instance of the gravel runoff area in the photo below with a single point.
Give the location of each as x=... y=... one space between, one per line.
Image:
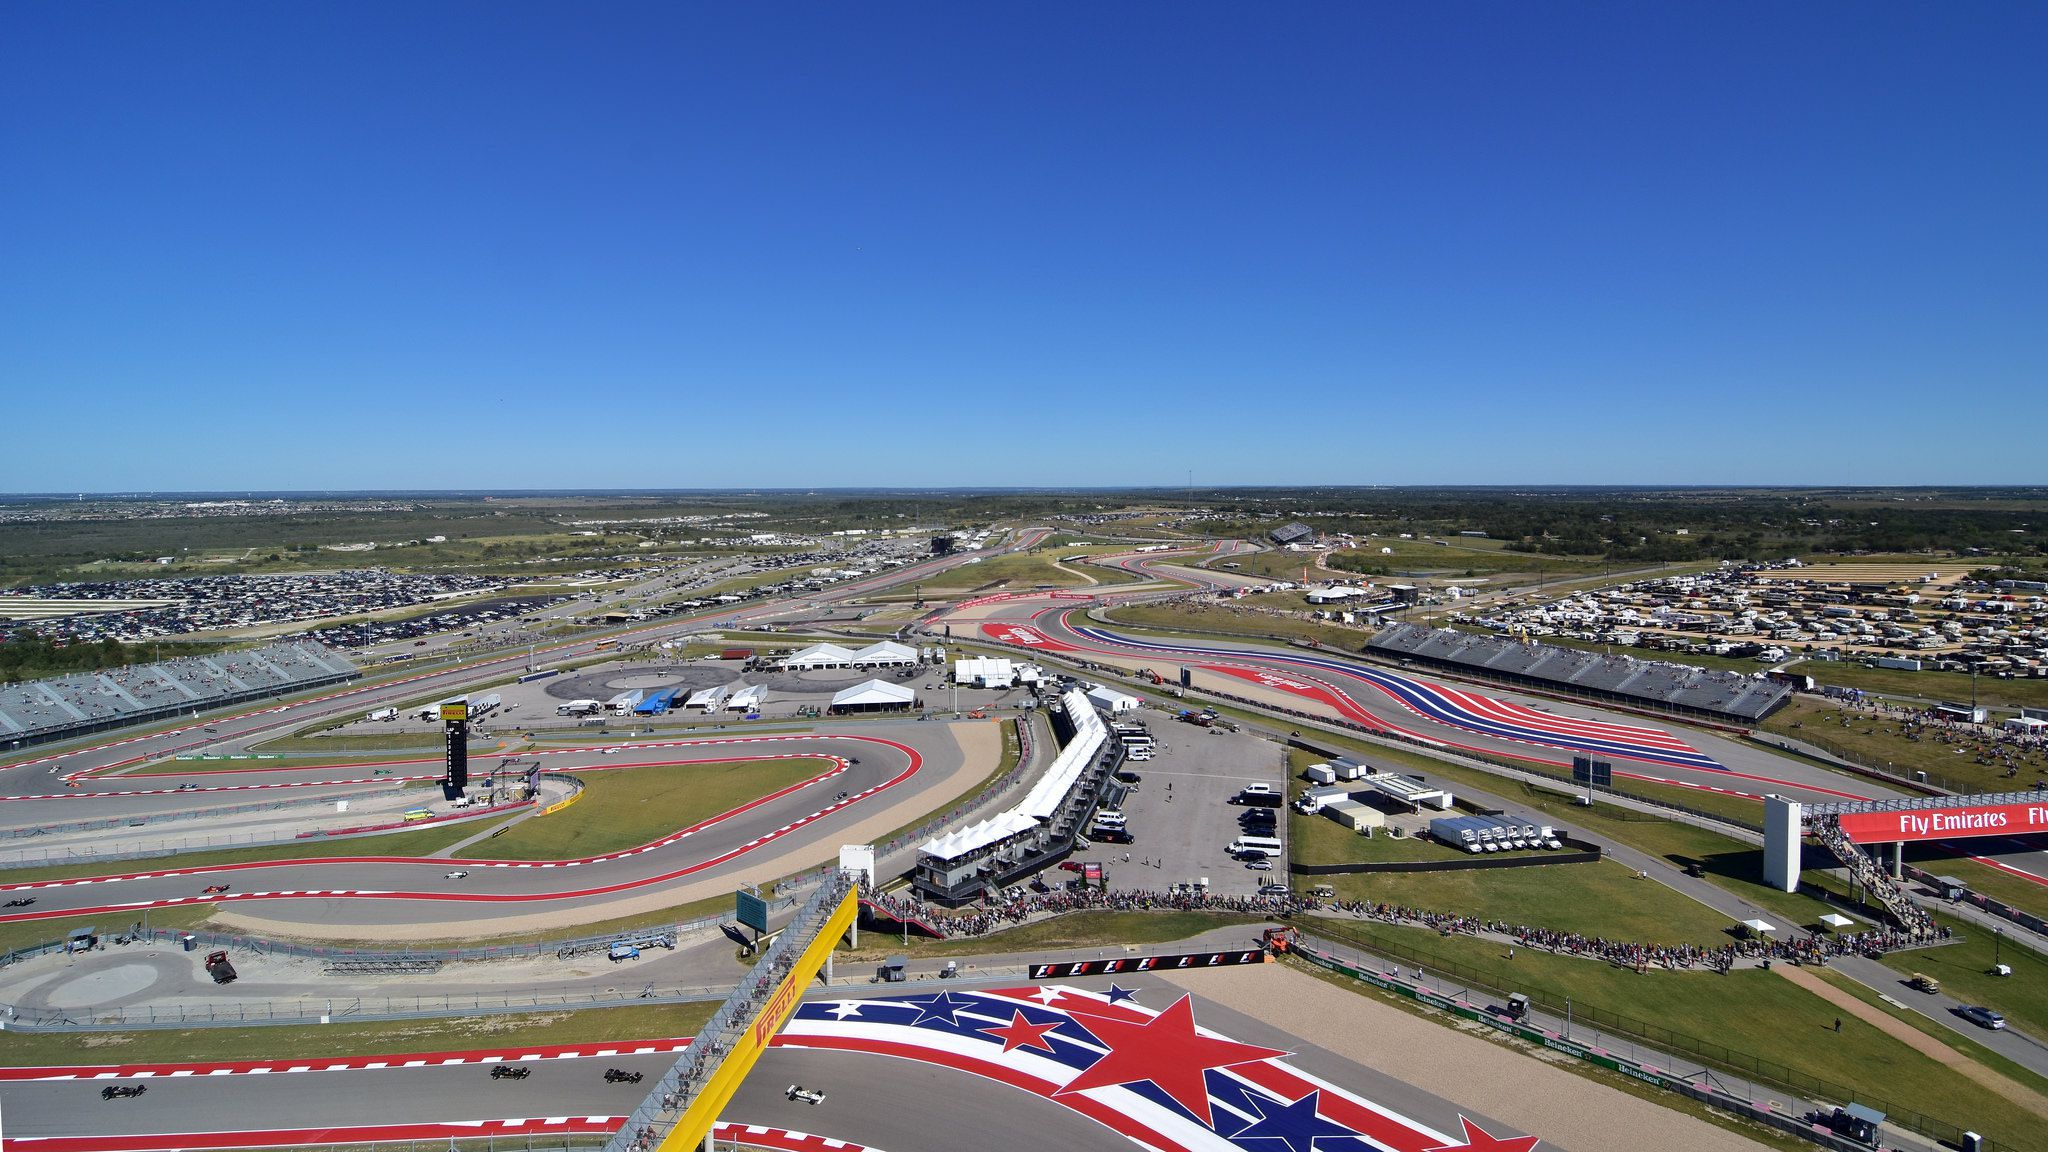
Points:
x=1565 y=1109
x=981 y=748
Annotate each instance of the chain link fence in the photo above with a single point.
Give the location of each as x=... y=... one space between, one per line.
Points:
x=1626 y=1032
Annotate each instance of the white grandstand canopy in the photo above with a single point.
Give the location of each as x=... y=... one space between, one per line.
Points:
x=820 y=656
x=873 y=692
x=974 y=837
x=989 y=671
x=1045 y=796
x=885 y=652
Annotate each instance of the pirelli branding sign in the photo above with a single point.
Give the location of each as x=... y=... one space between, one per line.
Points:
x=454 y=713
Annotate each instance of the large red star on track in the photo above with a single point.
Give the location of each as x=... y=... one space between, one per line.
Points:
x=1022 y=1033
x=1165 y=1050
x=1478 y=1139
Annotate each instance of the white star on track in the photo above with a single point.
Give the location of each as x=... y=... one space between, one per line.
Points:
x=1048 y=994
x=845 y=1008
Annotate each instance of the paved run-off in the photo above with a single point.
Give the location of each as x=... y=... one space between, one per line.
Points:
x=1565 y=1109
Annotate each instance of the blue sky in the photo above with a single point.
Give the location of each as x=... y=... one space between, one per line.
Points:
x=392 y=245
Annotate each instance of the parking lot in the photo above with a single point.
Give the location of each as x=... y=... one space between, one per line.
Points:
x=1179 y=813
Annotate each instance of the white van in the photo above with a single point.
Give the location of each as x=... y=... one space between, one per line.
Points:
x=1110 y=818
x=1267 y=846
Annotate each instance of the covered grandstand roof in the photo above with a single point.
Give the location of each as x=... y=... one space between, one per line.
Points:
x=37 y=710
x=1290 y=533
x=1660 y=685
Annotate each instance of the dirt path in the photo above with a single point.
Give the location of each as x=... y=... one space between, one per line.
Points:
x=981 y=747
x=1565 y=1109
x=1915 y=1039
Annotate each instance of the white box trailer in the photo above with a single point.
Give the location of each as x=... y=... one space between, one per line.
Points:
x=383 y=714
x=1320 y=774
x=433 y=711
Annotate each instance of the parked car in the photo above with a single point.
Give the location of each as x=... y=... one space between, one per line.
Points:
x=1272 y=889
x=1259 y=865
x=1981 y=1016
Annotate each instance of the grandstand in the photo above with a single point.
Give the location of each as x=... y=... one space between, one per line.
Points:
x=964 y=865
x=1725 y=697
x=39 y=711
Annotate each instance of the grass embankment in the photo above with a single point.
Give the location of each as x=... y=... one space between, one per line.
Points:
x=1466 y=557
x=1078 y=930
x=410 y=842
x=1023 y=571
x=1963 y=763
x=2019 y=1074
x=1751 y=1012
x=1602 y=899
x=627 y=807
x=1233 y=619
x=29 y=933
x=1929 y=685
x=326 y=1041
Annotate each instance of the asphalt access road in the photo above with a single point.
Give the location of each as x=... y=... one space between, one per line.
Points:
x=419 y=891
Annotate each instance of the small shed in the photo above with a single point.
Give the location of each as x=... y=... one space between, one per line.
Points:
x=81 y=939
x=894 y=970
x=1355 y=816
x=1112 y=702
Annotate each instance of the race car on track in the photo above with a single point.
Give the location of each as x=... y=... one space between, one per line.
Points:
x=807 y=1095
x=458 y=874
x=210 y=889
x=122 y=1091
x=21 y=902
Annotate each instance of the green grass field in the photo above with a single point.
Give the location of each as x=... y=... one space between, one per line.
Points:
x=1954 y=686
x=1749 y=1011
x=1868 y=737
x=394 y=1037
x=1232 y=620
x=29 y=933
x=1460 y=556
x=1603 y=899
x=1023 y=571
x=627 y=807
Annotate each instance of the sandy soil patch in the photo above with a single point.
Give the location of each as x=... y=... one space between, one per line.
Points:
x=1566 y=1110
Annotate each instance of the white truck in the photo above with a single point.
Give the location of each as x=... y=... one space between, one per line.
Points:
x=383 y=714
